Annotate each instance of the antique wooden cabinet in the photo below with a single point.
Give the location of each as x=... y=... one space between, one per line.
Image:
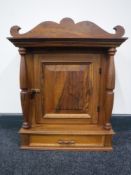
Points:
x=67 y=77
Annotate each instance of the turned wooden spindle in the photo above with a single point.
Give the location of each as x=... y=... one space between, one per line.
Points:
x=24 y=89
x=110 y=85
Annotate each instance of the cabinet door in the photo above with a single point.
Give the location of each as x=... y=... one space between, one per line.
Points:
x=69 y=87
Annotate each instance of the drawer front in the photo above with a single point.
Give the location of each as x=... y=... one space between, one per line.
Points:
x=66 y=140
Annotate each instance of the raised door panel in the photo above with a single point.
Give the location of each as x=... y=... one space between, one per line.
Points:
x=69 y=88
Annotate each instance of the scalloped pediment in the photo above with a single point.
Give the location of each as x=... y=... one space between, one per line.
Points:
x=67 y=29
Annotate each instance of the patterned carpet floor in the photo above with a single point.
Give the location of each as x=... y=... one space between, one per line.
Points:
x=14 y=161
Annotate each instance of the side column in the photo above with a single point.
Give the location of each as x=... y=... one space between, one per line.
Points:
x=24 y=89
x=110 y=85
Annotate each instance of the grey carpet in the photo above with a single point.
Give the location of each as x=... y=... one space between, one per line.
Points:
x=14 y=161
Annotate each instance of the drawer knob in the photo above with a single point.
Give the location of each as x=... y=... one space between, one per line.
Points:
x=66 y=142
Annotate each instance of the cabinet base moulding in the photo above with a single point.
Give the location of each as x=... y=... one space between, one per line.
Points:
x=57 y=139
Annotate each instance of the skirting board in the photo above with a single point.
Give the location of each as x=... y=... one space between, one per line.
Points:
x=20 y=114
x=120 y=122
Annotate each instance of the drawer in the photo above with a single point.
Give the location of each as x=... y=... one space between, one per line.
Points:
x=66 y=140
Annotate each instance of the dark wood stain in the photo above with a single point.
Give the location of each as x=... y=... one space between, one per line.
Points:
x=67 y=78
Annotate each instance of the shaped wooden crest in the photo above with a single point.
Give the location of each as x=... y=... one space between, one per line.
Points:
x=67 y=29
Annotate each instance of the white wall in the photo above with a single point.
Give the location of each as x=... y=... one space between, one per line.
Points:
x=28 y=13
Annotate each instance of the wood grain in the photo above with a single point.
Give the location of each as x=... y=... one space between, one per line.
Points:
x=110 y=85
x=67 y=29
x=57 y=137
x=24 y=89
x=68 y=87
x=67 y=77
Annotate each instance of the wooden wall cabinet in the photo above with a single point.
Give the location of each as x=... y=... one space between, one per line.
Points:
x=67 y=77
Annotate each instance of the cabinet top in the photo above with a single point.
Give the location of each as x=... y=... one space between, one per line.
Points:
x=68 y=30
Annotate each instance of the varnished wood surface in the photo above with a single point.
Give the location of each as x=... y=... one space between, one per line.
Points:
x=68 y=115
x=86 y=129
x=57 y=137
x=24 y=88
x=67 y=29
x=70 y=94
x=66 y=140
x=65 y=137
x=69 y=84
x=67 y=33
x=67 y=42
x=110 y=85
x=67 y=77
x=67 y=148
